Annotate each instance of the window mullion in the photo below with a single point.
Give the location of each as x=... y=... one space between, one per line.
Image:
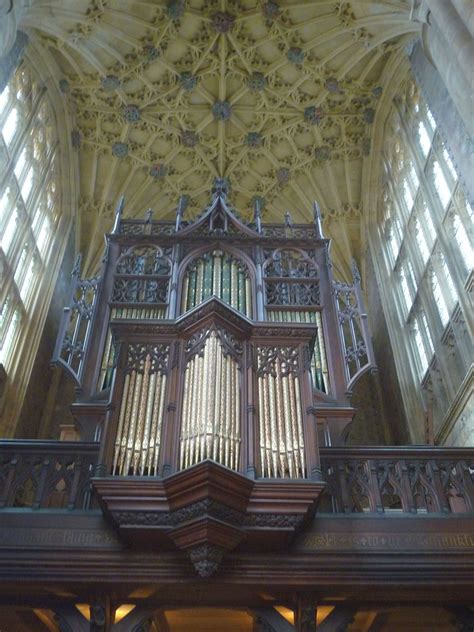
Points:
x=433 y=202
x=19 y=143
x=384 y=254
x=19 y=241
x=425 y=330
x=7 y=279
x=400 y=204
x=40 y=180
x=414 y=255
x=437 y=329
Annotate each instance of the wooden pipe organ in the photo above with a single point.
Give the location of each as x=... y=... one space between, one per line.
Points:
x=215 y=341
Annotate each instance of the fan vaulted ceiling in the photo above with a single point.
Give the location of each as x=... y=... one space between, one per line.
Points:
x=278 y=97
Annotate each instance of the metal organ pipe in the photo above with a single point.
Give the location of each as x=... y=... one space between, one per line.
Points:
x=280 y=422
x=217 y=274
x=210 y=424
x=138 y=437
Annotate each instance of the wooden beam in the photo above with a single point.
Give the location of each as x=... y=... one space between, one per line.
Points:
x=161 y=622
x=69 y=619
x=379 y=622
x=339 y=618
x=138 y=620
x=269 y=620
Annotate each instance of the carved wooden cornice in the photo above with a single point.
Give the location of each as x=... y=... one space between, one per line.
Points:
x=207 y=510
x=209 y=311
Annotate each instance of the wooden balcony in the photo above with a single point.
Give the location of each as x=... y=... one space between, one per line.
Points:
x=395 y=514
x=363 y=480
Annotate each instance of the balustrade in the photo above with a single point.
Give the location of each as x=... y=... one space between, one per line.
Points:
x=389 y=481
x=46 y=474
x=393 y=480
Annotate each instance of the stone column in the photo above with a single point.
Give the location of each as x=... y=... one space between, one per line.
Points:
x=465 y=8
x=455 y=32
x=450 y=46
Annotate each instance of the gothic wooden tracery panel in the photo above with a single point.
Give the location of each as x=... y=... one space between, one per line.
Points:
x=291 y=278
x=141 y=283
x=221 y=274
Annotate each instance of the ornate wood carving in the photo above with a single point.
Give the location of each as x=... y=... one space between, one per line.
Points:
x=288 y=359
x=157 y=356
x=42 y=474
x=207 y=510
x=408 y=480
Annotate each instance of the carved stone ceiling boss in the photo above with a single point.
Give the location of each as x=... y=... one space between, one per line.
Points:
x=277 y=96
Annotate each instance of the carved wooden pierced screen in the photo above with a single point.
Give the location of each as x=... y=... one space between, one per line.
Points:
x=76 y=324
x=138 y=438
x=141 y=282
x=217 y=274
x=356 y=343
x=280 y=412
x=211 y=414
x=140 y=292
x=291 y=278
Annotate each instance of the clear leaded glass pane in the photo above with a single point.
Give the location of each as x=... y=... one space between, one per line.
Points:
x=426 y=226
x=29 y=205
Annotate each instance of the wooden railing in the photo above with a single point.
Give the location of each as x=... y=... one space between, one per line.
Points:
x=419 y=480
x=400 y=479
x=46 y=474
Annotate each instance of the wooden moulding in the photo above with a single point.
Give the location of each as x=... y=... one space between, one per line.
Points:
x=207 y=511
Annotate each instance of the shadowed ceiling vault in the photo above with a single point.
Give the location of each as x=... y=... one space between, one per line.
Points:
x=278 y=97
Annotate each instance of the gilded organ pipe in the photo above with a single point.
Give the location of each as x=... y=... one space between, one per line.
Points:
x=141 y=413
x=319 y=368
x=280 y=415
x=210 y=424
x=217 y=274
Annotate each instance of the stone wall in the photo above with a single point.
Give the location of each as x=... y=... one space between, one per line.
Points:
x=380 y=418
x=50 y=392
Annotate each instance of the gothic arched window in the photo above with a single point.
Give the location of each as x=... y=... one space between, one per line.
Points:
x=32 y=220
x=425 y=234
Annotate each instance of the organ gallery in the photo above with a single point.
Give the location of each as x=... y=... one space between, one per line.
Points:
x=236 y=324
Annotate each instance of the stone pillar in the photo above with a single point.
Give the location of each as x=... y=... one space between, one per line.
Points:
x=451 y=125
x=10 y=12
x=455 y=33
x=449 y=45
x=10 y=61
x=465 y=9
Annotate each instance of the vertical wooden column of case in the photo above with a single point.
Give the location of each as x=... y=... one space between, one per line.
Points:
x=170 y=438
x=336 y=417
x=91 y=414
x=101 y=319
x=313 y=463
x=173 y=307
x=250 y=460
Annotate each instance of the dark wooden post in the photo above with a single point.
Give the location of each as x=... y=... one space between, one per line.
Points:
x=171 y=422
x=251 y=436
